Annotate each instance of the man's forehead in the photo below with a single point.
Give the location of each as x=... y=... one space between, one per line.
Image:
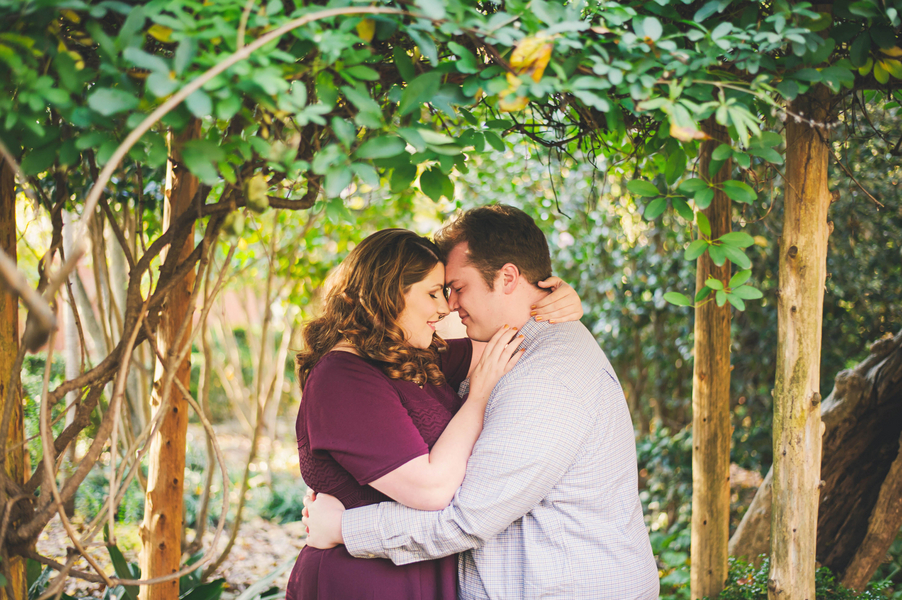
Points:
x=457 y=263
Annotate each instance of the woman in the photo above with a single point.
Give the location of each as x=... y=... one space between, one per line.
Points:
x=380 y=419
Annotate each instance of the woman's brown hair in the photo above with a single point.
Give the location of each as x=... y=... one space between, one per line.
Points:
x=363 y=306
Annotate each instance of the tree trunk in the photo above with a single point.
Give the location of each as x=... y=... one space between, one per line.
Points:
x=161 y=531
x=13 y=567
x=711 y=402
x=800 y=310
x=858 y=515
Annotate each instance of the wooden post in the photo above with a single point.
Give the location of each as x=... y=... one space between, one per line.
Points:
x=12 y=567
x=711 y=427
x=161 y=531
x=800 y=309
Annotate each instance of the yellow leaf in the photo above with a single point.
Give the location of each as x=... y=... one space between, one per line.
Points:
x=518 y=103
x=895 y=51
x=893 y=66
x=255 y=190
x=71 y=15
x=687 y=134
x=866 y=67
x=531 y=56
x=366 y=28
x=760 y=240
x=160 y=33
x=881 y=74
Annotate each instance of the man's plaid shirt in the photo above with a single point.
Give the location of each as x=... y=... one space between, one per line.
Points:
x=549 y=507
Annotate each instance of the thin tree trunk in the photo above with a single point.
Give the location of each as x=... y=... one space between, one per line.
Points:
x=73 y=358
x=800 y=309
x=161 y=531
x=13 y=567
x=711 y=402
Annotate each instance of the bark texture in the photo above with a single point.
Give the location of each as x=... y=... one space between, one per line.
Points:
x=13 y=567
x=800 y=309
x=711 y=402
x=161 y=531
x=859 y=509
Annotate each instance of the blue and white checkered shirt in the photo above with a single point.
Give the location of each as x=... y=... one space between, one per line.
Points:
x=549 y=507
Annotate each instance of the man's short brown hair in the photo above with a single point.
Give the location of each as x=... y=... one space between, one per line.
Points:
x=496 y=235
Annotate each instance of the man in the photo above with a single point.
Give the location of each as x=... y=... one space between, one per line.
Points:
x=549 y=507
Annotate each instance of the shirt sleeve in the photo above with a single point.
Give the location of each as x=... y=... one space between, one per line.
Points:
x=355 y=415
x=456 y=361
x=534 y=430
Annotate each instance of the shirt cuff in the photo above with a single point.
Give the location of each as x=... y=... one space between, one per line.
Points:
x=360 y=530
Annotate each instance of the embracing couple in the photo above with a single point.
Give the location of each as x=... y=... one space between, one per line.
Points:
x=500 y=466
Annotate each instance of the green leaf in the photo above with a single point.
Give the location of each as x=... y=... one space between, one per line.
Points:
x=702 y=293
x=436 y=184
x=426 y=44
x=109 y=101
x=200 y=156
x=361 y=72
x=199 y=104
x=683 y=209
x=211 y=590
x=419 y=91
x=675 y=166
x=402 y=177
x=737 y=257
x=184 y=54
x=720 y=297
x=704 y=226
x=466 y=61
x=696 y=249
x=788 y=89
x=654 y=209
x=381 y=147
x=740 y=239
x=337 y=179
x=739 y=191
x=768 y=154
x=403 y=63
x=768 y=138
x=161 y=84
x=692 y=186
x=742 y=159
x=718 y=257
x=367 y=174
x=652 y=28
x=677 y=298
x=642 y=188
x=39 y=160
x=714 y=284
x=860 y=50
x=143 y=60
x=747 y=292
x=703 y=198
x=722 y=152
x=740 y=277
x=736 y=301
x=494 y=140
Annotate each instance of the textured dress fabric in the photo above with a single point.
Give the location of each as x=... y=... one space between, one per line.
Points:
x=354 y=426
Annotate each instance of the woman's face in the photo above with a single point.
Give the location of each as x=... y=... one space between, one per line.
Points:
x=425 y=305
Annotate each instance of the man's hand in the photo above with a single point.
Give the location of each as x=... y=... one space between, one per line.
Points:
x=322 y=516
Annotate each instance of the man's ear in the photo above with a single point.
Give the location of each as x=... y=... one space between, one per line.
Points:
x=509 y=276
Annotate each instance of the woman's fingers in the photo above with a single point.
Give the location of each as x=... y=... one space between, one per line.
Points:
x=563 y=304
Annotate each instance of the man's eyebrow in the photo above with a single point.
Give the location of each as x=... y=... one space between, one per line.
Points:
x=450 y=282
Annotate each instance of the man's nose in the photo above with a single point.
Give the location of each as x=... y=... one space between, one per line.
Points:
x=453 y=304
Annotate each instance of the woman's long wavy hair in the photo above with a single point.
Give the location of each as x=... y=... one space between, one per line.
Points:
x=365 y=302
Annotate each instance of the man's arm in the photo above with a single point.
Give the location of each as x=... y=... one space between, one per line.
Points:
x=533 y=432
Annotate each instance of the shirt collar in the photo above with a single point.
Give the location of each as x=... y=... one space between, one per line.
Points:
x=532 y=329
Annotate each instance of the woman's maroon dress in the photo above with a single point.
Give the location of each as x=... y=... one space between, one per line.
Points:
x=354 y=426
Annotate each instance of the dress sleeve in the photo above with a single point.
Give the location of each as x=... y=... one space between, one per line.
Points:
x=456 y=361
x=355 y=415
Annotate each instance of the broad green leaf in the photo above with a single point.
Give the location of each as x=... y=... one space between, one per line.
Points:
x=714 y=284
x=436 y=184
x=652 y=28
x=199 y=104
x=736 y=301
x=367 y=174
x=720 y=297
x=337 y=179
x=740 y=239
x=200 y=156
x=718 y=257
x=742 y=159
x=683 y=209
x=739 y=278
x=426 y=44
x=466 y=61
x=860 y=50
x=702 y=293
x=403 y=63
x=402 y=177
x=737 y=257
x=768 y=154
x=642 y=188
x=739 y=191
x=654 y=209
x=381 y=147
x=703 y=198
x=747 y=292
x=696 y=249
x=161 y=84
x=677 y=298
x=362 y=72
x=109 y=101
x=143 y=60
x=722 y=152
x=704 y=226
x=675 y=166
x=39 y=160
x=768 y=138
x=494 y=140
x=184 y=54
x=692 y=186
x=420 y=91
